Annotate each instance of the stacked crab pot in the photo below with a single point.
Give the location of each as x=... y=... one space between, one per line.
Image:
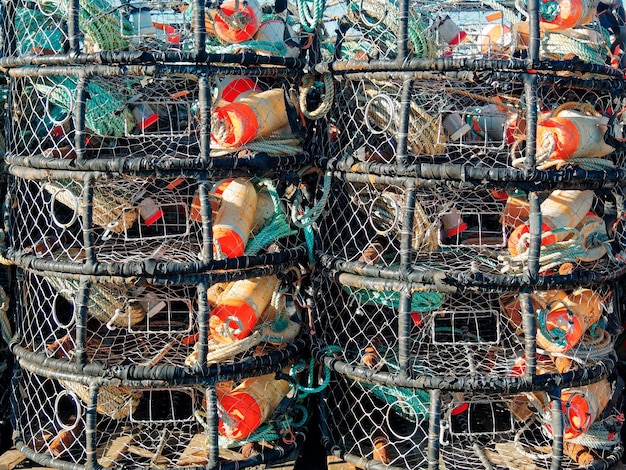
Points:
x=157 y=168
x=469 y=255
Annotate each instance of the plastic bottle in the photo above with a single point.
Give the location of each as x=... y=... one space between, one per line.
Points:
x=240 y=308
x=236 y=26
x=563 y=208
x=258 y=114
x=234 y=218
x=250 y=404
x=572 y=134
x=568 y=319
x=449 y=31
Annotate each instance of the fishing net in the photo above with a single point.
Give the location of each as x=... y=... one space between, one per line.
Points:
x=470 y=430
x=458 y=231
x=455 y=120
x=133 y=217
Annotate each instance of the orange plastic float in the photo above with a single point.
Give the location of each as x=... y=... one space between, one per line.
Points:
x=572 y=134
x=562 y=209
x=234 y=218
x=250 y=404
x=567 y=320
x=564 y=14
x=237 y=20
x=240 y=307
x=257 y=114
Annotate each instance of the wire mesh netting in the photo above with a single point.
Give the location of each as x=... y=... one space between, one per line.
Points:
x=465 y=335
x=456 y=230
x=134 y=218
x=147 y=427
x=155 y=117
x=41 y=28
x=394 y=427
x=482 y=123
x=150 y=325
x=463 y=29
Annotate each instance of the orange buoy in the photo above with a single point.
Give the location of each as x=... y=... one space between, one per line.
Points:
x=231 y=88
x=568 y=319
x=495 y=40
x=569 y=13
x=250 y=404
x=572 y=134
x=237 y=20
x=562 y=209
x=240 y=307
x=516 y=210
x=583 y=405
x=257 y=114
x=234 y=218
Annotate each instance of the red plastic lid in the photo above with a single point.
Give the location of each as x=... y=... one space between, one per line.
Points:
x=236 y=87
x=243 y=415
x=234 y=315
x=230 y=243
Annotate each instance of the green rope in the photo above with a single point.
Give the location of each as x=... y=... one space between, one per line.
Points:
x=34 y=29
x=106 y=112
x=308 y=19
x=275 y=228
x=556 y=335
x=97 y=19
x=549 y=10
x=420 y=301
x=304 y=391
x=412 y=404
x=329 y=93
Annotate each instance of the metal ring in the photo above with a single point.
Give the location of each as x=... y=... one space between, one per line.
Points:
x=74 y=209
x=390 y=103
x=54 y=309
x=57 y=406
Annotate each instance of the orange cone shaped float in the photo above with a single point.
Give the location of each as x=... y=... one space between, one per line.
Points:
x=257 y=114
x=240 y=308
x=250 y=404
x=237 y=20
x=234 y=218
x=572 y=134
x=583 y=405
x=565 y=14
x=562 y=209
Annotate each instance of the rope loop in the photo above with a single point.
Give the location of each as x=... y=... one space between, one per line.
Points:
x=325 y=106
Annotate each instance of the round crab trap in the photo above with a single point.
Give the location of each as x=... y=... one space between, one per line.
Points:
x=129 y=219
x=457 y=121
x=167 y=30
x=257 y=419
x=460 y=323
x=467 y=236
x=394 y=427
x=158 y=211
